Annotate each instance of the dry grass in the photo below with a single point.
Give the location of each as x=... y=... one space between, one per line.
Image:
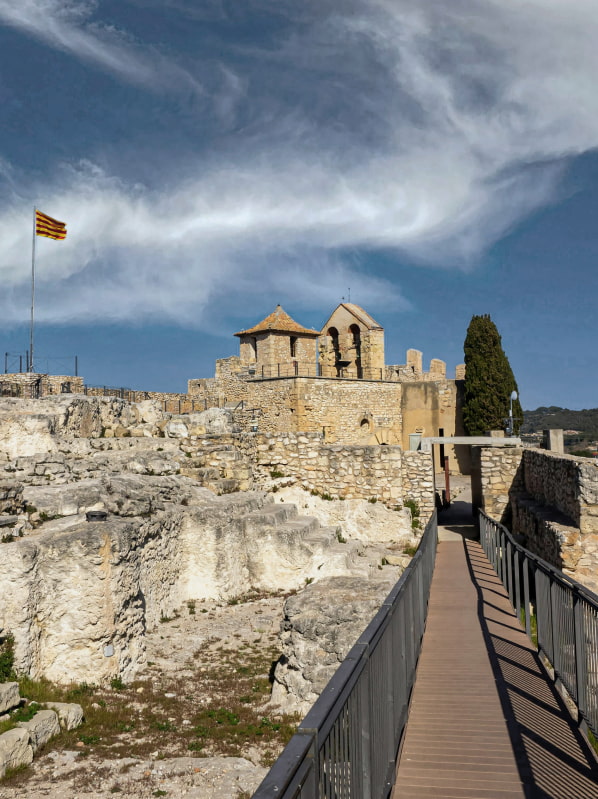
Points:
x=215 y=710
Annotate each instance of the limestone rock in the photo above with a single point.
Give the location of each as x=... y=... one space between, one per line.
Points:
x=15 y=750
x=26 y=435
x=226 y=777
x=43 y=726
x=70 y=715
x=150 y=411
x=321 y=624
x=66 y=500
x=176 y=428
x=358 y=519
x=9 y=696
x=217 y=421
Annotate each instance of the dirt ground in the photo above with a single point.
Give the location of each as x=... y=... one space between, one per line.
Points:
x=195 y=723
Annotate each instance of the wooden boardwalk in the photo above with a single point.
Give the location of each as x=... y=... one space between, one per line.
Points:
x=484 y=721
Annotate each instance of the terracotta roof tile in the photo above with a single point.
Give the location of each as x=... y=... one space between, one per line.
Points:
x=280 y=321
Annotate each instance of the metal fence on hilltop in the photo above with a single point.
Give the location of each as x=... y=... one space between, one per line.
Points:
x=346 y=746
x=18 y=363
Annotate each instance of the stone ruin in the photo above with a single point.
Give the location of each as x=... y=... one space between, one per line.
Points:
x=184 y=521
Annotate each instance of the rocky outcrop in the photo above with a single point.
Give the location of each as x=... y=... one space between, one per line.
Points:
x=78 y=596
x=321 y=624
x=359 y=519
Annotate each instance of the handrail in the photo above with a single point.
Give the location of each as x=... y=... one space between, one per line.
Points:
x=347 y=744
x=297 y=369
x=566 y=613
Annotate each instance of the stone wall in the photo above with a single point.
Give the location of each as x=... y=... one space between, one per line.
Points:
x=497 y=474
x=30 y=384
x=566 y=482
x=379 y=473
x=349 y=412
x=351 y=472
x=418 y=482
x=550 y=500
x=346 y=411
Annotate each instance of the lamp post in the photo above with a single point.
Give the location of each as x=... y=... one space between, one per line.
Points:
x=509 y=422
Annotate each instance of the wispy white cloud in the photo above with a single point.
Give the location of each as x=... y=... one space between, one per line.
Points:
x=426 y=129
x=66 y=25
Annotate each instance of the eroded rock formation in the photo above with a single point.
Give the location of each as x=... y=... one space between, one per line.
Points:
x=79 y=595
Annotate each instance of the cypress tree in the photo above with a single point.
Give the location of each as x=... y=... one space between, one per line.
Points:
x=489 y=380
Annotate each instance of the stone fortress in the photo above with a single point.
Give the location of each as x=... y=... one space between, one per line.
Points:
x=334 y=382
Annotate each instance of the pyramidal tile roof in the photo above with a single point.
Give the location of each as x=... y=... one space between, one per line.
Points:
x=279 y=321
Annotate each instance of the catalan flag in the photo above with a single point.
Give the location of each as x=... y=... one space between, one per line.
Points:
x=46 y=226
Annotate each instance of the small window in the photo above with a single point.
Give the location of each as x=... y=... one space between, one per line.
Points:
x=365 y=424
x=293 y=341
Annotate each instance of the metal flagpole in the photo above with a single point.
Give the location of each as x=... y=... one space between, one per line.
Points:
x=31 y=369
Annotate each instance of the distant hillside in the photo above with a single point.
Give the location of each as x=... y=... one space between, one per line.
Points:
x=585 y=421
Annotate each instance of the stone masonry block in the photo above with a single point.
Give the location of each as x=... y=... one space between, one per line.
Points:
x=70 y=715
x=9 y=696
x=43 y=726
x=15 y=750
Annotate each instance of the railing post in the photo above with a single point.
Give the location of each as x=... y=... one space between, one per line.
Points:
x=528 y=621
x=510 y=573
x=580 y=653
x=364 y=703
x=517 y=568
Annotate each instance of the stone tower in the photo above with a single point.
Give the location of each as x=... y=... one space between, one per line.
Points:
x=352 y=345
x=278 y=346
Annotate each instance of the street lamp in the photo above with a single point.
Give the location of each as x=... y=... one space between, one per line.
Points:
x=509 y=422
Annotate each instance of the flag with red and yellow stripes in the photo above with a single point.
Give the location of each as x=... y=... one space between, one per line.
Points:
x=46 y=226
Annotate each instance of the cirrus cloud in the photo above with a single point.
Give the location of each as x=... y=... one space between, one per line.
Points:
x=427 y=130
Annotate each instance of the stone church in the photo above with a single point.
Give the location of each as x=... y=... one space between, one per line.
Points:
x=334 y=381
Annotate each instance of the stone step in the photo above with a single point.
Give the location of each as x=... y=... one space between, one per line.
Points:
x=321 y=538
x=270 y=515
x=297 y=530
x=201 y=473
x=235 y=507
x=223 y=486
x=342 y=557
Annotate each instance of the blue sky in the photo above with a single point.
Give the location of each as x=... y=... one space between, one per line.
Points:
x=212 y=158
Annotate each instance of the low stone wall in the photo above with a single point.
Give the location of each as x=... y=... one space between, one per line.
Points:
x=552 y=536
x=382 y=473
x=338 y=470
x=551 y=500
x=566 y=482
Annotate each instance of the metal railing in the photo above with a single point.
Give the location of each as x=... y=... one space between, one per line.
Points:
x=297 y=369
x=28 y=389
x=565 y=611
x=346 y=747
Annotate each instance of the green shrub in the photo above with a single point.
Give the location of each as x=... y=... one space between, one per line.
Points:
x=7 y=659
x=414 y=508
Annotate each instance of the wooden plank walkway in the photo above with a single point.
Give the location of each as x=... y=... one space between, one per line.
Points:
x=484 y=720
